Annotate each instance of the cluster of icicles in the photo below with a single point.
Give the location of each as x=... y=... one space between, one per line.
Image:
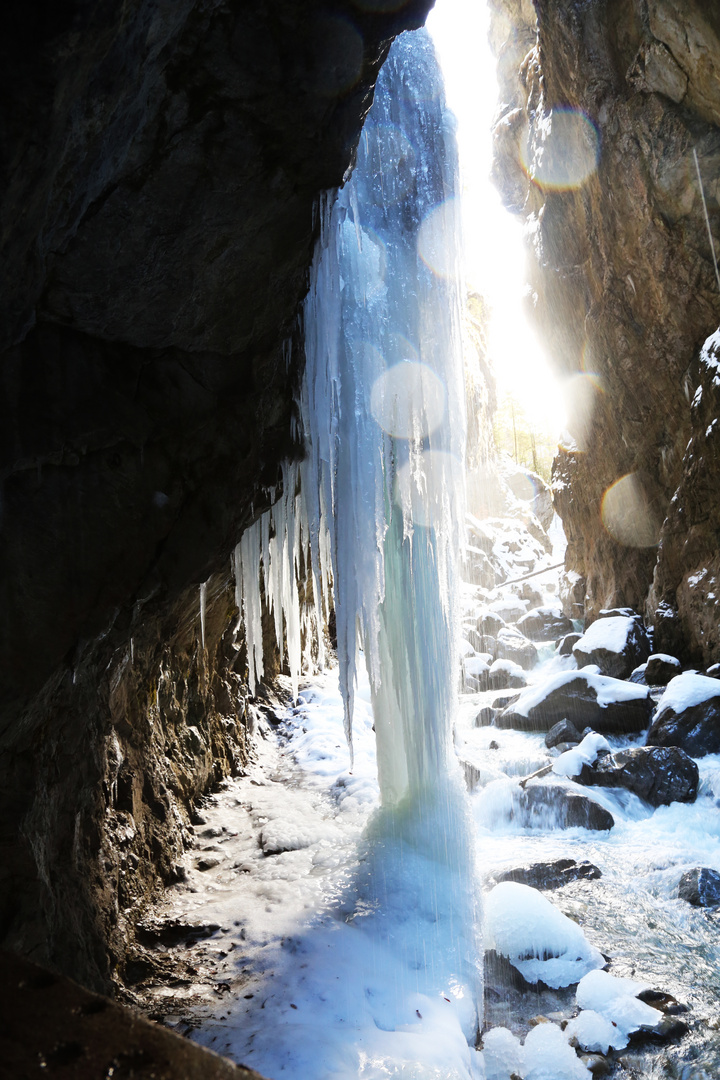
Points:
x=270 y=560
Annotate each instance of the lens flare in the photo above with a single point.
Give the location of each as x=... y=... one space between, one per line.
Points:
x=408 y=400
x=437 y=241
x=423 y=484
x=561 y=150
x=629 y=515
x=581 y=393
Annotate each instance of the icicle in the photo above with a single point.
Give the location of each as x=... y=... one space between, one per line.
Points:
x=203 y=600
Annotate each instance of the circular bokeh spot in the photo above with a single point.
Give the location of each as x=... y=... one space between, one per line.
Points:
x=437 y=241
x=629 y=514
x=408 y=400
x=561 y=150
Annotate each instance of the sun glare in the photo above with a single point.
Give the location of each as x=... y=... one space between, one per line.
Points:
x=494 y=252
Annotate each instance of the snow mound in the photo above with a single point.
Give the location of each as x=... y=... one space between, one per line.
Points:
x=542 y=943
x=616 y=1000
x=585 y=753
x=685 y=691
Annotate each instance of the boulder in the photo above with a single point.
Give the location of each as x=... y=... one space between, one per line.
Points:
x=511 y=645
x=503 y=701
x=700 y=887
x=638 y=675
x=713 y=671
x=661 y=668
x=587 y=700
x=485 y=717
x=544 y=624
x=489 y=622
x=506 y=675
x=562 y=732
x=660 y=775
x=688 y=715
x=565 y=645
x=510 y=608
x=475 y=673
x=550 y=875
x=551 y=806
x=617 y=644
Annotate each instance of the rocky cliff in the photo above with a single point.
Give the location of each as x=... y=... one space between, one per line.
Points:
x=624 y=288
x=160 y=166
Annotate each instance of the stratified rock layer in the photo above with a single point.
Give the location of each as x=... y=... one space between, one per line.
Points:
x=624 y=289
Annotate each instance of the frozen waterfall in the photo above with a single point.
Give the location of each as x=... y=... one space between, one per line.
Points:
x=377 y=511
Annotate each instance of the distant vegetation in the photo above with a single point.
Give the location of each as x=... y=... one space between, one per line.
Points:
x=528 y=443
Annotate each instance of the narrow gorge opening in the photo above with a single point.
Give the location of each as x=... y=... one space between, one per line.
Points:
x=359 y=519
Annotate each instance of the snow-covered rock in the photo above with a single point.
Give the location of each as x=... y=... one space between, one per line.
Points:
x=544 y=624
x=506 y=675
x=617 y=645
x=661 y=668
x=512 y=645
x=658 y=774
x=688 y=715
x=588 y=700
x=542 y=943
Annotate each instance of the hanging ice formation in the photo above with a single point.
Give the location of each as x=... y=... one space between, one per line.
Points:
x=376 y=508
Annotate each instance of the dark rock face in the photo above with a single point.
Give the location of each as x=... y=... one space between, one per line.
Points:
x=551 y=806
x=700 y=887
x=544 y=623
x=551 y=875
x=576 y=699
x=695 y=729
x=626 y=292
x=659 y=775
x=617 y=645
x=562 y=732
x=160 y=167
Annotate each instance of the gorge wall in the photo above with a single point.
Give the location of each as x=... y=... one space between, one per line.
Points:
x=160 y=166
x=625 y=293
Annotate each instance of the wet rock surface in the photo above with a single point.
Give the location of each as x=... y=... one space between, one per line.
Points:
x=552 y=806
x=700 y=887
x=660 y=669
x=551 y=875
x=659 y=775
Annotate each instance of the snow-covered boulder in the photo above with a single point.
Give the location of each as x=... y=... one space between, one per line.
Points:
x=658 y=774
x=510 y=644
x=688 y=715
x=489 y=622
x=542 y=943
x=506 y=675
x=588 y=700
x=544 y=624
x=565 y=646
x=661 y=668
x=616 y=644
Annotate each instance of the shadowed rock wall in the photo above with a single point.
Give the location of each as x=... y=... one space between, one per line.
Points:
x=160 y=164
x=624 y=287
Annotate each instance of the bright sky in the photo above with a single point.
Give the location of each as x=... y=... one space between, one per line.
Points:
x=494 y=253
